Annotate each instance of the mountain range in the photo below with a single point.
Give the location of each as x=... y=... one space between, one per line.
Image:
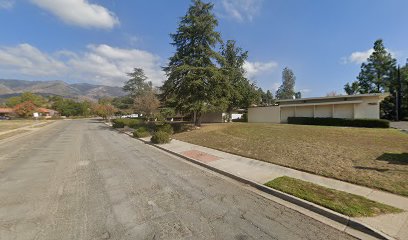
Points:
x=11 y=87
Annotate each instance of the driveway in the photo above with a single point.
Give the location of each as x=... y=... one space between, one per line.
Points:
x=400 y=125
x=81 y=180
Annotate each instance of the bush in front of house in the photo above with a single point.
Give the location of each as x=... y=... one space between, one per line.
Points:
x=160 y=137
x=134 y=123
x=366 y=123
x=116 y=123
x=122 y=122
x=141 y=132
x=165 y=128
x=179 y=127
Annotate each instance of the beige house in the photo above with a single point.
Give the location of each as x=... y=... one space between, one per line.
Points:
x=347 y=106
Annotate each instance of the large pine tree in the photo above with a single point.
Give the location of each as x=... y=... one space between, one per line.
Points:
x=194 y=82
x=241 y=92
x=287 y=89
x=376 y=74
x=404 y=90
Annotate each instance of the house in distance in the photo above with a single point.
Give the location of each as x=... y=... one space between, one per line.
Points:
x=362 y=106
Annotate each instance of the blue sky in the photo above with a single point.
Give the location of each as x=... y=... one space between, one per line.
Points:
x=98 y=41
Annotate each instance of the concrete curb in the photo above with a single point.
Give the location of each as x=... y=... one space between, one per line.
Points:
x=337 y=217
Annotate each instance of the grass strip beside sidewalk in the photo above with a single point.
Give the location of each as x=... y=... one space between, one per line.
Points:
x=375 y=158
x=339 y=201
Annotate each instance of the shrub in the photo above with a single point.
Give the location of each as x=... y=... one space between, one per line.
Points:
x=165 y=128
x=368 y=123
x=160 y=137
x=116 y=123
x=179 y=127
x=132 y=123
x=244 y=117
x=141 y=132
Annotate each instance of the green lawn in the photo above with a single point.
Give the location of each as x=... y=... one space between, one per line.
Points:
x=376 y=158
x=342 y=202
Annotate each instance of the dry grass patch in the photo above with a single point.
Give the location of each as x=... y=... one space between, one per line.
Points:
x=13 y=133
x=376 y=158
x=339 y=201
x=43 y=124
x=6 y=125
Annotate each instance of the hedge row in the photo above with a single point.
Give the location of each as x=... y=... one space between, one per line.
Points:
x=367 y=123
x=122 y=122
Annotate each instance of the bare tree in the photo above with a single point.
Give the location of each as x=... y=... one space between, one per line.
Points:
x=146 y=103
x=332 y=94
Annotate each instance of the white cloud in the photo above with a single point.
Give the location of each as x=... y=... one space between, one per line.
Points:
x=99 y=64
x=360 y=57
x=257 y=68
x=80 y=13
x=6 y=4
x=108 y=65
x=242 y=10
x=275 y=86
x=28 y=60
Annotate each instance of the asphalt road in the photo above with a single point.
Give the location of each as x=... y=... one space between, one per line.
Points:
x=81 y=180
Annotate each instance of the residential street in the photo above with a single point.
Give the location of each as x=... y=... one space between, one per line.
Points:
x=79 y=179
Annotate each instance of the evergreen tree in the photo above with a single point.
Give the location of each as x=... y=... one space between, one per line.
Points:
x=137 y=83
x=352 y=89
x=376 y=74
x=269 y=98
x=287 y=89
x=261 y=96
x=404 y=90
x=194 y=82
x=241 y=92
x=298 y=95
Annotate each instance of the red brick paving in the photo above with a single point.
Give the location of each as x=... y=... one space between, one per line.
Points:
x=200 y=156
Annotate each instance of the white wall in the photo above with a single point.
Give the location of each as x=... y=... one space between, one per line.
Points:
x=343 y=111
x=306 y=111
x=264 y=114
x=287 y=112
x=369 y=108
x=323 y=111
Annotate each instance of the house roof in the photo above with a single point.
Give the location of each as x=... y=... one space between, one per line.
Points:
x=45 y=110
x=6 y=110
x=380 y=95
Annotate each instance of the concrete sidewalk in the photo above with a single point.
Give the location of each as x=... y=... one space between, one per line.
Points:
x=394 y=225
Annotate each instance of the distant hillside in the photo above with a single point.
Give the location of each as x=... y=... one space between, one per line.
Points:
x=9 y=88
